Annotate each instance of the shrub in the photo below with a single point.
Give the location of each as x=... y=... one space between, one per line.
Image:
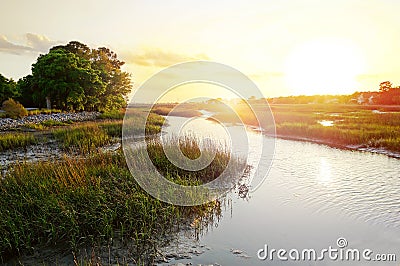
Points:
x=14 y=109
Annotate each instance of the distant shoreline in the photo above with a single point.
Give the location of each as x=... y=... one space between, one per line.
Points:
x=361 y=148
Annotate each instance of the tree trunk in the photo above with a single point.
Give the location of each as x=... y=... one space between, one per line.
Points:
x=48 y=102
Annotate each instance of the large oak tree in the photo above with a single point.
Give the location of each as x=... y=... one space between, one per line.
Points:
x=75 y=77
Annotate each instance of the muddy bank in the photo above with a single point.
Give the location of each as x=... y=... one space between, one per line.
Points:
x=33 y=153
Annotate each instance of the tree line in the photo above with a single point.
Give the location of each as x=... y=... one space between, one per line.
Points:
x=72 y=77
x=387 y=95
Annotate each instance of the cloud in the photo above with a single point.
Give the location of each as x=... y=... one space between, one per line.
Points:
x=159 y=58
x=38 y=42
x=34 y=43
x=8 y=47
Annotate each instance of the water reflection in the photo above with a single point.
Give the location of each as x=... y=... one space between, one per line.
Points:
x=313 y=195
x=325 y=174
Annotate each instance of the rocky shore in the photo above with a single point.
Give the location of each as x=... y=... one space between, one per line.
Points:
x=8 y=123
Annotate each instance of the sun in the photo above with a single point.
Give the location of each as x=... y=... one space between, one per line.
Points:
x=324 y=66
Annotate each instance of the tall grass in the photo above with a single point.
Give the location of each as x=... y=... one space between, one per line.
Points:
x=82 y=138
x=190 y=148
x=44 y=111
x=10 y=141
x=114 y=114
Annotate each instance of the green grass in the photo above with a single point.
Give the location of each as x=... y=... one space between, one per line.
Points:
x=82 y=138
x=9 y=141
x=115 y=114
x=88 y=201
x=44 y=111
x=112 y=128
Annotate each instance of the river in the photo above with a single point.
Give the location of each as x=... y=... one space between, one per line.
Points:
x=312 y=196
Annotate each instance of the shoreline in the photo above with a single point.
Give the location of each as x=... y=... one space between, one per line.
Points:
x=360 y=148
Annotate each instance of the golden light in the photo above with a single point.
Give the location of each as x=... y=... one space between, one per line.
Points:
x=325 y=173
x=324 y=66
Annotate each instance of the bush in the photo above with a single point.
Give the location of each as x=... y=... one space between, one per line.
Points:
x=14 y=109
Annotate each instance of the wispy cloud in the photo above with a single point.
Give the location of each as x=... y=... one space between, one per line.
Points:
x=39 y=42
x=159 y=58
x=34 y=43
x=8 y=47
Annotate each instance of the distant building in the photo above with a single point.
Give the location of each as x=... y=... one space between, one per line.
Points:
x=365 y=98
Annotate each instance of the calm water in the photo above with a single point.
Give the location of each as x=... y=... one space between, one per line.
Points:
x=312 y=196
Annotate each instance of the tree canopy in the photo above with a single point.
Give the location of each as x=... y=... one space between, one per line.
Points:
x=8 y=89
x=75 y=77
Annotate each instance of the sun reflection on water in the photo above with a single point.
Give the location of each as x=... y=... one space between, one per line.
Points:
x=325 y=173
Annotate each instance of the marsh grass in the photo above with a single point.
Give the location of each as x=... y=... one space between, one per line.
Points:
x=115 y=114
x=89 y=201
x=44 y=111
x=190 y=148
x=9 y=141
x=82 y=138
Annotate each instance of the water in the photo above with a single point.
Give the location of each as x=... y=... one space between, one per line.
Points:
x=312 y=196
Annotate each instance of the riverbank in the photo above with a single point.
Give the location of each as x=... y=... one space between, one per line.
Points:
x=361 y=148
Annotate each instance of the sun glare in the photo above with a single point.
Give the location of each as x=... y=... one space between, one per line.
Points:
x=324 y=66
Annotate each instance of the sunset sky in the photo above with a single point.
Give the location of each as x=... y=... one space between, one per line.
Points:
x=286 y=47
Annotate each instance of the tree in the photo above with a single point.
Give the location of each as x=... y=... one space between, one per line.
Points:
x=117 y=83
x=77 y=48
x=8 y=89
x=65 y=78
x=26 y=88
x=75 y=77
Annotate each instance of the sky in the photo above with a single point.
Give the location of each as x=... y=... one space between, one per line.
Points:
x=286 y=47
